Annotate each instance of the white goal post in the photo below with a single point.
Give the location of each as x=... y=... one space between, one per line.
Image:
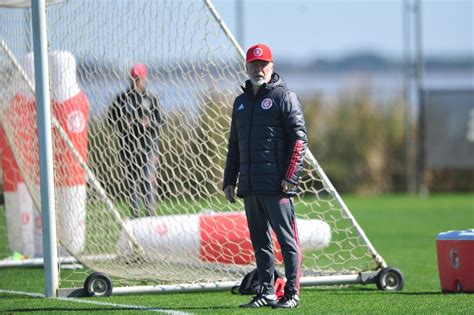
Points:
x=150 y=216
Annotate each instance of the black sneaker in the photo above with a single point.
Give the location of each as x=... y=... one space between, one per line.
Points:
x=287 y=302
x=259 y=301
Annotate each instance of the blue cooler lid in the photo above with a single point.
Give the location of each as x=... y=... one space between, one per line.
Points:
x=457 y=235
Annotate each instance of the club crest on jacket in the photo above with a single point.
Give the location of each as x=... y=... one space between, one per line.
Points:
x=267 y=103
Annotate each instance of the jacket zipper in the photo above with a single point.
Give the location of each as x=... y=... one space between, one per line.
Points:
x=250 y=139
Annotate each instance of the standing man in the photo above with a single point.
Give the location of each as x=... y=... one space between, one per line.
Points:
x=135 y=115
x=266 y=149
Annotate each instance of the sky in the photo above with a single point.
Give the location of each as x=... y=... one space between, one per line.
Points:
x=297 y=29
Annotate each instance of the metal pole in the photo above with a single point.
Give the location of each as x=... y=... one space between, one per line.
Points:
x=239 y=17
x=43 y=108
x=410 y=172
x=224 y=27
x=422 y=188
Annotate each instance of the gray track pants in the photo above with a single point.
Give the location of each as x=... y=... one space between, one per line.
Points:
x=271 y=210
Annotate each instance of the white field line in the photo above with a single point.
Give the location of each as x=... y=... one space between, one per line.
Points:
x=76 y=300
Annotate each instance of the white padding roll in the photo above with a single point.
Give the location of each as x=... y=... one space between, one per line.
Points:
x=162 y=237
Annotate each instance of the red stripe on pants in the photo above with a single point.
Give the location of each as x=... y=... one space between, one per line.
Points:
x=300 y=255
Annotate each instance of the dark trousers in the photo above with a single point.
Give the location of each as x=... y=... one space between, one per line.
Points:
x=141 y=182
x=271 y=211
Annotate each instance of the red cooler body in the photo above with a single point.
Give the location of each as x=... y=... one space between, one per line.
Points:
x=455 y=251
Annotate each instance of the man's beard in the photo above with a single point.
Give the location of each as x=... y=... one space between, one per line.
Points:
x=258 y=83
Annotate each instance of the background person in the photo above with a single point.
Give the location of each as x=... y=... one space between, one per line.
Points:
x=266 y=149
x=135 y=115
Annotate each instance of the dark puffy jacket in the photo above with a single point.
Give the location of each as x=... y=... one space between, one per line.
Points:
x=267 y=139
x=126 y=115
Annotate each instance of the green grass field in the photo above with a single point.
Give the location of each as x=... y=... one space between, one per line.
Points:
x=403 y=229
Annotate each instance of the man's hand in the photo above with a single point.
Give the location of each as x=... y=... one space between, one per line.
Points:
x=155 y=160
x=287 y=186
x=229 y=193
x=145 y=121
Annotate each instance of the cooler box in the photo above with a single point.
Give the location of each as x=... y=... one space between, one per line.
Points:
x=455 y=251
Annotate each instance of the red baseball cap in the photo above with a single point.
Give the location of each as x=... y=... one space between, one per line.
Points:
x=259 y=52
x=138 y=71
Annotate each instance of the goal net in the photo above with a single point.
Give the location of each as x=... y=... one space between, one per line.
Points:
x=139 y=197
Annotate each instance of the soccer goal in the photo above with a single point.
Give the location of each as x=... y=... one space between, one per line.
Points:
x=195 y=239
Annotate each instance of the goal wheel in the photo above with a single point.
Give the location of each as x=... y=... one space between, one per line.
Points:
x=390 y=279
x=98 y=284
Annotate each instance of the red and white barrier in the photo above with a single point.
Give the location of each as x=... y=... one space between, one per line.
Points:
x=70 y=108
x=214 y=238
x=22 y=218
